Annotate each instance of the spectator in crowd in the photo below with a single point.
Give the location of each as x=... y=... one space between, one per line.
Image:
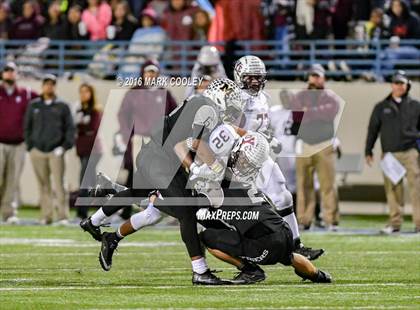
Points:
x=177 y=20
x=396 y=120
x=373 y=28
x=13 y=104
x=208 y=64
x=54 y=27
x=394 y=52
x=5 y=21
x=318 y=108
x=142 y=107
x=201 y=25
x=362 y=9
x=137 y=6
x=49 y=132
x=97 y=17
x=123 y=23
x=230 y=18
x=277 y=15
x=158 y=6
x=29 y=25
x=341 y=16
x=88 y=145
x=277 y=18
x=74 y=27
x=403 y=23
x=313 y=19
x=148 y=18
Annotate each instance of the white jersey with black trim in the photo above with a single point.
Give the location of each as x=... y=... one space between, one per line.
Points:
x=256 y=112
x=222 y=139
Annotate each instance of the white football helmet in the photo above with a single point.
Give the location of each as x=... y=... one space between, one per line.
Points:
x=226 y=95
x=250 y=74
x=208 y=56
x=249 y=154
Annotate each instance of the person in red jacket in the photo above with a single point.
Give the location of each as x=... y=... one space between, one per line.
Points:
x=177 y=20
x=13 y=103
x=88 y=146
x=29 y=25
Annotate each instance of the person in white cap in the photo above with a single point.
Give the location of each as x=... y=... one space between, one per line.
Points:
x=396 y=120
x=208 y=64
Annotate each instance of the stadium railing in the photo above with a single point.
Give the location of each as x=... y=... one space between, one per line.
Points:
x=286 y=60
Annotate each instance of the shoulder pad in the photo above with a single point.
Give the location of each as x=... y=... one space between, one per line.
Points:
x=206 y=116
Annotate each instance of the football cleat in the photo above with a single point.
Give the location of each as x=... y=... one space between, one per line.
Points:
x=309 y=253
x=249 y=276
x=319 y=277
x=208 y=278
x=109 y=245
x=94 y=231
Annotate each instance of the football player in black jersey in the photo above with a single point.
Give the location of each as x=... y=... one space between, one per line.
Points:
x=163 y=164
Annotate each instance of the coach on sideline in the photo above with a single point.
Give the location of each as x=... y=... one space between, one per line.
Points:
x=49 y=132
x=315 y=110
x=397 y=120
x=13 y=103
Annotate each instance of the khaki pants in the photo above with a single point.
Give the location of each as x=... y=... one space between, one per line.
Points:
x=323 y=163
x=12 y=158
x=395 y=193
x=47 y=165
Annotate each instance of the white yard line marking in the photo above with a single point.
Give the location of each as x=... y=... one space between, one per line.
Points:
x=63 y=254
x=77 y=243
x=225 y=287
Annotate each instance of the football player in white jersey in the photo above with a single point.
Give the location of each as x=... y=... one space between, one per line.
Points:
x=250 y=75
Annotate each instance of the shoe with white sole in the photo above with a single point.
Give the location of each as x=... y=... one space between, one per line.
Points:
x=13 y=220
x=389 y=230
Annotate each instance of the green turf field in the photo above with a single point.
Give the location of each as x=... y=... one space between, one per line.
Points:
x=57 y=268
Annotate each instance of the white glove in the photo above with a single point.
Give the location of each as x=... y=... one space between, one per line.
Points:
x=58 y=151
x=202 y=171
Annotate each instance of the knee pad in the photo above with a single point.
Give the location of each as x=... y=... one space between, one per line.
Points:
x=147 y=217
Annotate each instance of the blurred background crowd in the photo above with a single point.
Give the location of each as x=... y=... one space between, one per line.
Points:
x=212 y=20
x=287 y=22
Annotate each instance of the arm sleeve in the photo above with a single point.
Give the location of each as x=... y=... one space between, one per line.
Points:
x=373 y=130
x=205 y=120
x=28 y=127
x=69 y=129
